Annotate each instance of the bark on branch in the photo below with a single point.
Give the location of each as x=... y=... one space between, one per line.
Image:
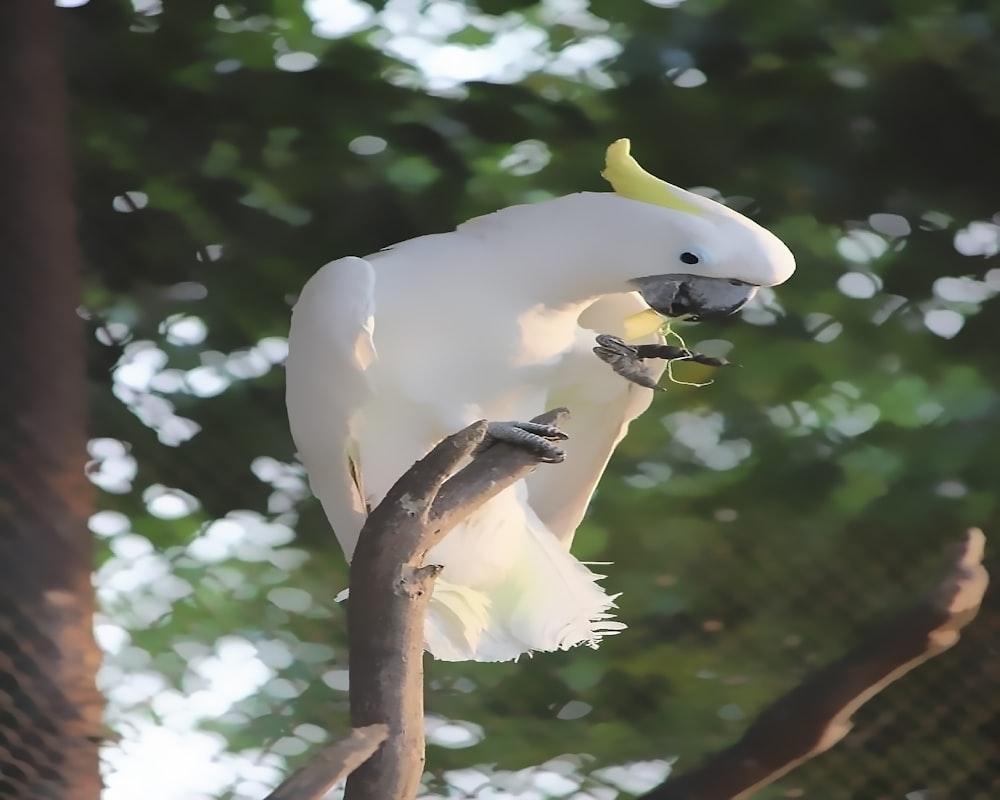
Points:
x=817 y=713
x=330 y=765
x=391 y=589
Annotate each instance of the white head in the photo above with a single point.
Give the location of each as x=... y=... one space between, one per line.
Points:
x=724 y=256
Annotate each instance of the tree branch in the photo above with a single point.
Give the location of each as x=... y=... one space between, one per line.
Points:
x=330 y=765
x=481 y=480
x=817 y=713
x=391 y=590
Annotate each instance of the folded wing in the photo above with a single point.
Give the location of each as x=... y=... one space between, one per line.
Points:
x=330 y=355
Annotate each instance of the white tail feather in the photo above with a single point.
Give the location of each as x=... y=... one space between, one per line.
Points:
x=546 y=601
x=557 y=603
x=510 y=588
x=455 y=623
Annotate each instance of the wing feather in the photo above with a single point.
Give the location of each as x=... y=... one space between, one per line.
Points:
x=601 y=405
x=330 y=354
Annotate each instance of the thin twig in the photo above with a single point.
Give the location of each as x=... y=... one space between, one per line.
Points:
x=391 y=590
x=816 y=714
x=331 y=765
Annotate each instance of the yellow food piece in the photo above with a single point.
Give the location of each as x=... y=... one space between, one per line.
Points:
x=642 y=324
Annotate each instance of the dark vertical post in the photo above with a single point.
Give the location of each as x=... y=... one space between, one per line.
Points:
x=50 y=711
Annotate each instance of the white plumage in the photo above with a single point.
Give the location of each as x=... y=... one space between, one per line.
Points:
x=496 y=320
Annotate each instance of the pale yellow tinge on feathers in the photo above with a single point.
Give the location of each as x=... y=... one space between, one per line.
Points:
x=642 y=324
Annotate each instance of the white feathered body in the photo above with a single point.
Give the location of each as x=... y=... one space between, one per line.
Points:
x=496 y=320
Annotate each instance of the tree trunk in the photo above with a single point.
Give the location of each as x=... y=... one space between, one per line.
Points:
x=50 y=711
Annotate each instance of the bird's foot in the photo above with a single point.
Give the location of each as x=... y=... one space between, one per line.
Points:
x=624 y=360
x=670 y=353
x=532 y=436
x=627 y=360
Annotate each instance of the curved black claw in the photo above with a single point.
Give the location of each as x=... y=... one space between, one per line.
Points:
x=670 y=353
x=624 y=360
x=533 y=436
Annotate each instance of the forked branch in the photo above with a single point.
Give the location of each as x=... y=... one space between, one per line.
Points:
x=391 y=590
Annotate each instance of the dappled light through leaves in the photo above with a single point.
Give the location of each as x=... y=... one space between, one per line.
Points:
x=756 y=527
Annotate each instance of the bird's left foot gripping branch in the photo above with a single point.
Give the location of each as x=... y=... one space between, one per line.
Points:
x=535 y=437
x=606 y=266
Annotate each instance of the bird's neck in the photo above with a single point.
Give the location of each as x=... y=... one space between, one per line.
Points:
x=536 y=268
x=559 y=258
x=567 y=250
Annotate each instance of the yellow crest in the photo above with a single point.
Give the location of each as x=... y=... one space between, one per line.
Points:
x=630 y=180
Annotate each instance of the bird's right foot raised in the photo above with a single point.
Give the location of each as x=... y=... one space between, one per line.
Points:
x=625 y=360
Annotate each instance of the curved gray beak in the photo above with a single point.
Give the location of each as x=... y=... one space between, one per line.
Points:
x=693 y=297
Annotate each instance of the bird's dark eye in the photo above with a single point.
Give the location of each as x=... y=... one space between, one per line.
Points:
x=688 y=257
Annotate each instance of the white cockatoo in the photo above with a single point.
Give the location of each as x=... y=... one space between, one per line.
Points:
x=496 y=320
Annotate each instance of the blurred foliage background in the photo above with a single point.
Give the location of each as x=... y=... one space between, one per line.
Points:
x=757 y=527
